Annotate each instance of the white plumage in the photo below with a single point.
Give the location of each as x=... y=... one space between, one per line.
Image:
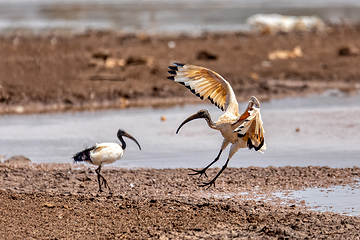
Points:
x=104 y=153
x=239 y=130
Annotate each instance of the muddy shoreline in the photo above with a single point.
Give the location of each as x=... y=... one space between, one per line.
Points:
x=108 y=69
x=61 y=201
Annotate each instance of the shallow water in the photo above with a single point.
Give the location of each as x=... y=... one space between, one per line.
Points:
x=156 y=16
x=328 y=135
x=343 y=199
x=338 y=199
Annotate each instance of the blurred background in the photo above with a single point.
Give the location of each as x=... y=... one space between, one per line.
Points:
x=159 y=16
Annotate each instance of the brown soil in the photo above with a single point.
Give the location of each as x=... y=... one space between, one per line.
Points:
x=49 y=201
x=96 y=69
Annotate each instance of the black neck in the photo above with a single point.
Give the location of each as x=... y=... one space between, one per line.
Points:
x=123 y=143
x=209 y=121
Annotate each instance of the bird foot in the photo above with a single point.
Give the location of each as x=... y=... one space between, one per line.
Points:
x=200 y=172
x=103 y=182
x=106 y=185
x=208 y=184
x=110 y=192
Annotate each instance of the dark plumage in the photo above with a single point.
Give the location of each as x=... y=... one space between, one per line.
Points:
x=83 y=156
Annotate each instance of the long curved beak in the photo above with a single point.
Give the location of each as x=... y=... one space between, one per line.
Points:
x=132 y=138
x=192 y=117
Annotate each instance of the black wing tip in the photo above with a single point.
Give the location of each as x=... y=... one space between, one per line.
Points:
x=175 y=68
x=212 y=102
x=173 y=72
x=216 y=104
x=171 y=78
x=179 y=64
x=241 y=135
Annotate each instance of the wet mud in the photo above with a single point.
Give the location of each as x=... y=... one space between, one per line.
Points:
x=108 y=69
x=62 y=201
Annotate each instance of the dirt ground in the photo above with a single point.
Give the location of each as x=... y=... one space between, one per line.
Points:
x=94 y=70
x=63 y=202
x=56 y=72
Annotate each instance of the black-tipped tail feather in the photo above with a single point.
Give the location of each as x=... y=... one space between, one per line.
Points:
x=83 y=155
x=257 y=147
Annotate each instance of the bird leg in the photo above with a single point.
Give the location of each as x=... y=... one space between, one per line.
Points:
x=99 y=177
x=212 y=182
x=203 y=171
x=224 y=144
x=101 y=180
x=233 y=150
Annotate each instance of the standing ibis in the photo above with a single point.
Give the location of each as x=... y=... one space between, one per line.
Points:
x=239 y=130
x=104 y=153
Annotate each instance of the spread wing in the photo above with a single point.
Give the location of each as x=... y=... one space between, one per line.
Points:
x=204 y=83
x=251 y=126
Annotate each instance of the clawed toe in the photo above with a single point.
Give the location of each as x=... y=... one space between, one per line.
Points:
x=207 y=185
x=200 y=172
x=103 y=182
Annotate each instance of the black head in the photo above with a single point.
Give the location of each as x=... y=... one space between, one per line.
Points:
x=203 y=113
x=122 y=133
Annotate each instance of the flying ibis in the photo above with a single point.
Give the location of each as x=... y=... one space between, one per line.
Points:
x=104 y=153
x=240 y=130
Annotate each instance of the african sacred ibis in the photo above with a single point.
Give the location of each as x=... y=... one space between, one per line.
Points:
x=241 y=130
x=104 y=153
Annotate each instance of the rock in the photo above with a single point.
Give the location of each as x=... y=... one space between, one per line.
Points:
x=49 y=205
x=19 y=109
x=171 y=44
x=286 y=54
x=349 y=50
x=135 y=60
x=114 y=62
x=18 y=160
x=101 y=54
x=205 y=55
